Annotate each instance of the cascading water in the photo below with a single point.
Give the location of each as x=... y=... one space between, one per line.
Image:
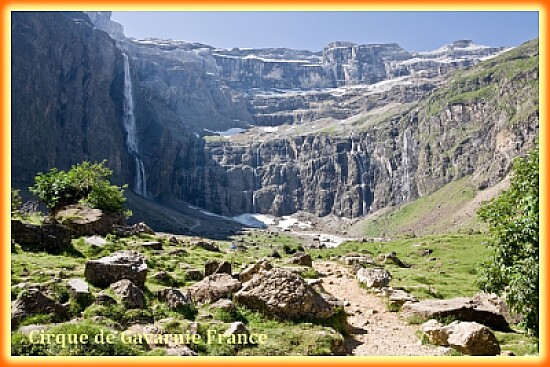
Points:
x=256 y=182
x=140 y=185
x=360 y=158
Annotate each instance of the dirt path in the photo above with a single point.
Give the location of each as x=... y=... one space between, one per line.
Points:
x=375 y=330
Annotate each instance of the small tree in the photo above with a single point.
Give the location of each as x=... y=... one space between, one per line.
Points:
x=87 y=183
x=513 y=220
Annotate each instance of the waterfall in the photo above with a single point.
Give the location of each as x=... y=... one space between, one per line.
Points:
x=360 y=158
x=255 y=183
x=405 y=163
x=140 y=185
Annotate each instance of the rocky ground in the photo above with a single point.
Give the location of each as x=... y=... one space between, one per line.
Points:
x=374 y=331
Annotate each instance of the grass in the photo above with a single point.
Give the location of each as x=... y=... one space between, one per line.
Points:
x=433 y=213
x=449 y=271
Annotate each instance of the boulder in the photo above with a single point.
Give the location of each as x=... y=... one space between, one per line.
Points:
x=469 y=338
x=214 y=287
x=284 y=294
x=86 y=221
x=238 y=331
x=224 y=305
x=193 y=274
x=49 y=237
x=214 y=267
x=152 y=245
x=209 y=246
x=392 y=258
x=357 y=259
x=301 y=258
x=462 y=308
x=374 y=277
x=252 y=269
x=182 y=351
x=162 y=276
x=78 y=289
x=119 y=265
x=95 y=241
x=275 y=254
x=104 y=300
x=130 y=294
x=397 y=297
x=31 y=302
x=174 y=298
x=133 y=230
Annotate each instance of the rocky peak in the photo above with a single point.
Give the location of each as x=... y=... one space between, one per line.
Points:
x=102 y=20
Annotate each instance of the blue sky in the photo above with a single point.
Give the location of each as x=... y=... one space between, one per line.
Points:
x=415 y=31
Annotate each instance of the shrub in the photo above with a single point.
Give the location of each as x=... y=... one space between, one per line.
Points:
x=513 y=220
x=16 y=201
x=86 y=183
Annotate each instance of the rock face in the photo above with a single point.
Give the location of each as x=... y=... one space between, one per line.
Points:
x=464 y=309
x=374 y=277
x=281 y=293
x=214 y=287
x=467 y=337
x=120 y=265
x=68 y=92
x=51 y=237
x=130 y=294
x=85 y=221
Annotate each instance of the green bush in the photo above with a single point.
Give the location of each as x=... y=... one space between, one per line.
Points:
x=87 y=183
x=513 y=220
x=16 y=201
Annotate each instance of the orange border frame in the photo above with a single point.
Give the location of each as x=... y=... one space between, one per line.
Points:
x=282 y=5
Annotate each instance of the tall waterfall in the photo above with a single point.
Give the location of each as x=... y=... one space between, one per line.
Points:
x=140 y=185
x=360 y=158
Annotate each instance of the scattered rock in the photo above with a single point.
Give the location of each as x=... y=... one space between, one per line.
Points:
x=301 y=258
x=463 y=309
x=258 y=266
x=78 y=288
x=374 y=277
x=466 y=337
x=238 y=330
x=120 y=265
x=131 y=295
x=193 y=274
x=209 y=246
x=214 y=287
x=182 y=351
x=152 y=245
x=397 y=297
x=31 y=302
x=133 y=230
x=27 y=329
x=173 y=240
x=214 y=267
x=86 y=221
x=392 y=257
x=224 y=304
x=177 y=252
x=95 y=241
x=357 y=259
x=424 y=252
x=104 y=300
x=275 y=254
x=282 y=293
x=174 y=298
x=49 y=237
x=162 y=276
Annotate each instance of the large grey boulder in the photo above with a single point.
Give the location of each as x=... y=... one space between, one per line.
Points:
x=462 y=308
x=214 y=287
x=469 y=338
x=86 y=221
x=119 y=265
x=130 y=294
x=282 y=293
x=374 y=277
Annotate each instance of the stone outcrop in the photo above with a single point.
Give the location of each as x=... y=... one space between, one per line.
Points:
x=374 y=277
x=467 y=337
x=284 y=294
x=462 y=308
x=301 y=258
x=214 y=287
x=215 y=267
x=49 y=237
x=119 y=265
x=250 y=270
x=130 y=295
